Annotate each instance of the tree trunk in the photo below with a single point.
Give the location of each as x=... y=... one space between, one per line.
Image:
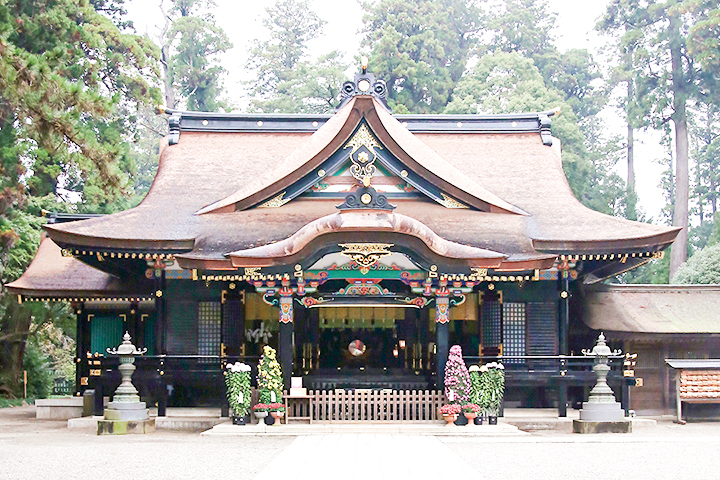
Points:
x=167 y=77
x=17 y=326
x=678 y=252
x=631 y=207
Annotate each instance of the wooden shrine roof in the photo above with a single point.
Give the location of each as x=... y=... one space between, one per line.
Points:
x=51 y=274
x=203 y=203
x=205 y=168
x=653 y=309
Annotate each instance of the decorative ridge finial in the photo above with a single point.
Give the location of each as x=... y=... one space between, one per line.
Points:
x=364 y=84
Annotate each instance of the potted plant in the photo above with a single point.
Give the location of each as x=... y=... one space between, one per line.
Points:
x=269 y=379
x=492 y=388
x=261 y=410
x=470 y=410
x=450 y=412
x=277 y=410
x=237 y=381
x=475 y=392
x=457 y=380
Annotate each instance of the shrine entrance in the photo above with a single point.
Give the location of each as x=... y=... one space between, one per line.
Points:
x=367 y=347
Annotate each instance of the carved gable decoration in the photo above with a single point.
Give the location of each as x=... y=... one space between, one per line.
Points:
x=365 y=175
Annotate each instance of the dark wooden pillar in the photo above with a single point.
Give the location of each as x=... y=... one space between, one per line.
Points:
x=563 y=341
x=285 y=338
x=82 y=369
x=160 y=346
x=313 y=332
x=424 y=337
x=442 y=338
x=563 y=311
x=132 y=325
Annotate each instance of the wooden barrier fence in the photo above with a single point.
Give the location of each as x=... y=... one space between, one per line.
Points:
x=362 y=405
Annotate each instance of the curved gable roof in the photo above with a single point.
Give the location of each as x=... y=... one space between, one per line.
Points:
x=334 y=134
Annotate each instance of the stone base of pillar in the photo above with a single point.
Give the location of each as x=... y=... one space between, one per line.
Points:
x=586 y=426
x=132 y=411
x=125 y=427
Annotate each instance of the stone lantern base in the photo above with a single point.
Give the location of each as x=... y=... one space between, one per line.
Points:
x=126 y=417
x=602 y=417
x=123 y=427
x=591 y=426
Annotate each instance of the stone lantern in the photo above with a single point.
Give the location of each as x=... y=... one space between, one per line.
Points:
x=126 y=413
x=602 y=413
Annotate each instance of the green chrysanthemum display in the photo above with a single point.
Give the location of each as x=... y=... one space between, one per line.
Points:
x=269 y=380
x=237 y=381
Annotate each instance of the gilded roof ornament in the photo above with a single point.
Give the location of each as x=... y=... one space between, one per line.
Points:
x=449 y=202
x=365 y=254
x=275 y=202
x=363 y=144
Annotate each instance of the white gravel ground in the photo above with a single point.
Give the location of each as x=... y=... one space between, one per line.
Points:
x=42 y=449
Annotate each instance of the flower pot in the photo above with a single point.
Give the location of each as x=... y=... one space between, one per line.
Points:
x=478 y=420
x=450 y=419
x=269 y=420
x=277 y=416
x=261 y=414
x=461 y=420
x=470 y=416
x=240 y=420
x=492 y=419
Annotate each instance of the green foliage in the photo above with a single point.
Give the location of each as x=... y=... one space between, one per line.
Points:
x=703 y=267
x=15 y=402
x=57 y=346
x=64 y=72
x=269 y=380
x=71 y=84
x=655 y=272
x=420 y=48
x=39 y=372
x=237 y=381
x=488 y=387
x=285 y=80
x=193 y=68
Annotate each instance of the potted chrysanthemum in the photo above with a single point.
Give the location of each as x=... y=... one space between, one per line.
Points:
x=492 y=388
x=237 y=381
x=476 y=392
x=470 y=410
x=450 y=413
x=277 y=410
x=457 y=380
x=269 y=380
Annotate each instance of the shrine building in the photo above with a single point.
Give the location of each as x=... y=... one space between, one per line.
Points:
x=361 y=245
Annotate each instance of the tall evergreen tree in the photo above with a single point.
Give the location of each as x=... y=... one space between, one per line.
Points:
x=71 y=82
x=525 y=28
x=421 y=49
x=190 y=45
x=668 y=78
x=286 y=80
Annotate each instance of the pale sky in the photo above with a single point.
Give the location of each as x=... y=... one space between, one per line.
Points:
x=241 y=21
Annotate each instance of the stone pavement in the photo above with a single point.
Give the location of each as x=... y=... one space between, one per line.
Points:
x=46 y=449
x=364 y=456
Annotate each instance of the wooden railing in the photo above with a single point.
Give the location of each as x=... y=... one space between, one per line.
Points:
x=362 y=405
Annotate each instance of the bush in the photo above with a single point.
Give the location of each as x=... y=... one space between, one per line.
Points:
x=703 y=267
x=39 y=371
